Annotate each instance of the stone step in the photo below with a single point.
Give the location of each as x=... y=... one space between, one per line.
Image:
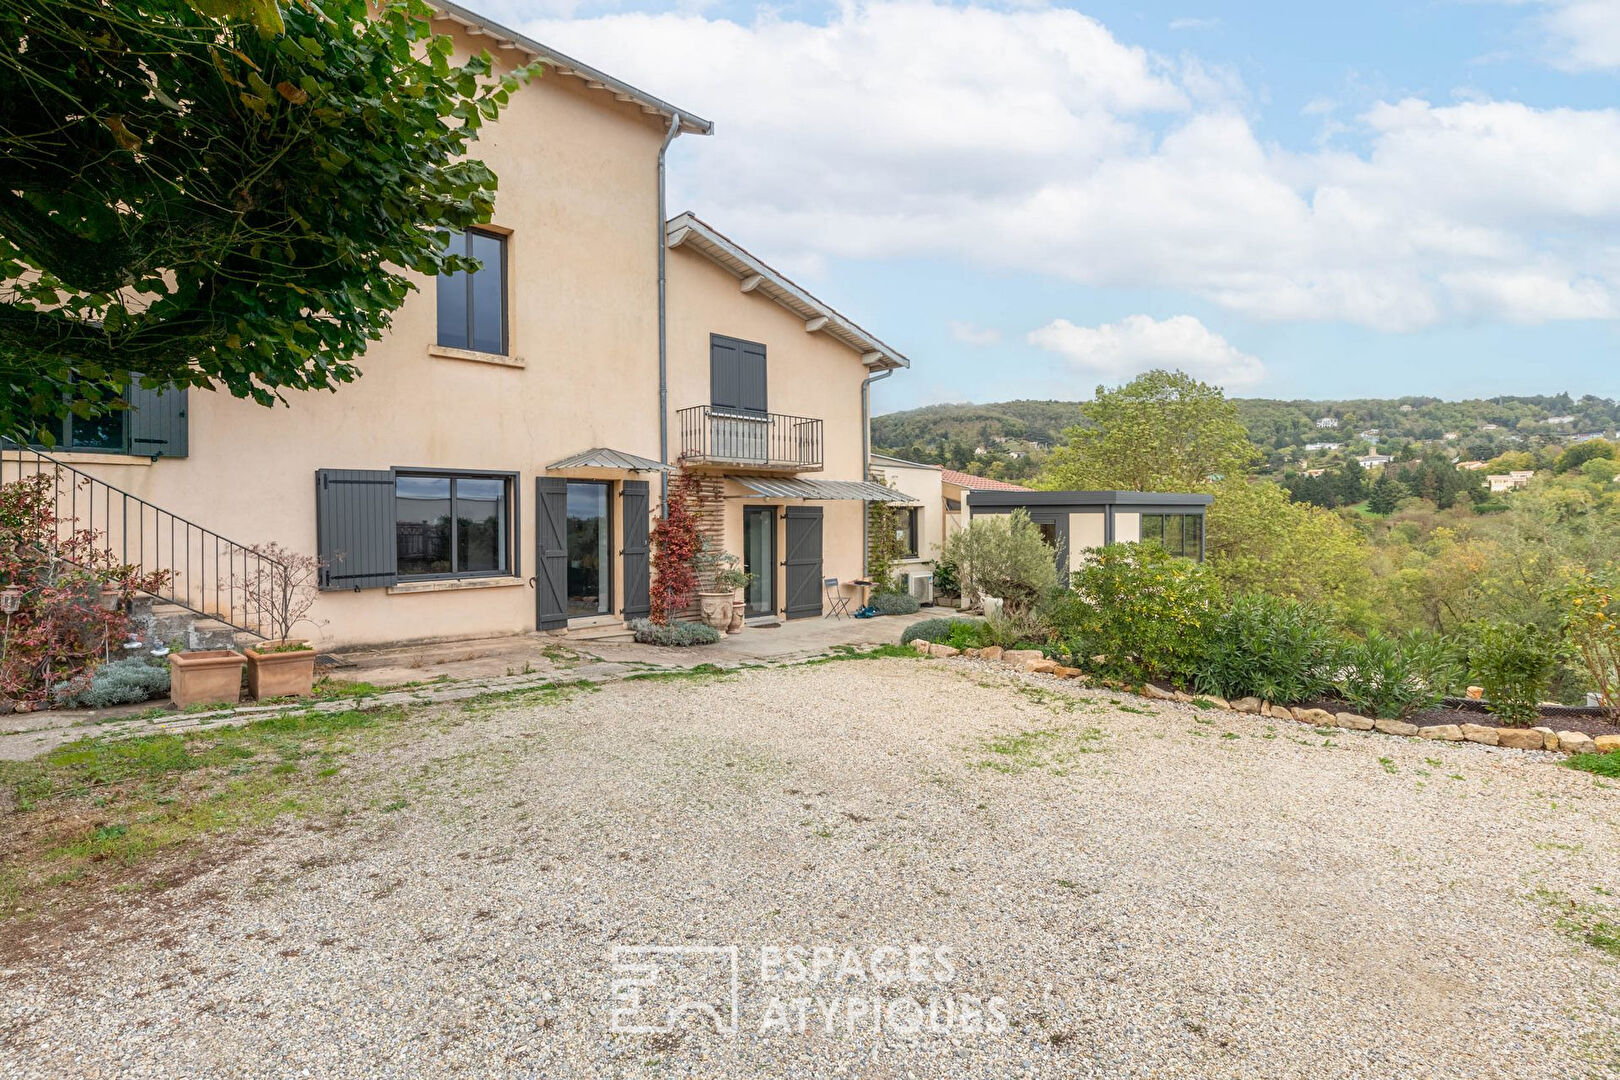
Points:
x=617 y=632
x=162 y=623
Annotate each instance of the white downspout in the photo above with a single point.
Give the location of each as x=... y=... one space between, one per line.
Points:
x=866 y=464
x=663 y=320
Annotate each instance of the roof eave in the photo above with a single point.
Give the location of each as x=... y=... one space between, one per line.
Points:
x=757 y=276
x=507 y=38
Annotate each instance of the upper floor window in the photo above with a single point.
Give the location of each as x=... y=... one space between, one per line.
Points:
x=1179 y=534
x=472 y=306
x=736 y=376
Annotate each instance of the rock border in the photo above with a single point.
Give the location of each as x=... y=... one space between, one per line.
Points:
x=1034 y=662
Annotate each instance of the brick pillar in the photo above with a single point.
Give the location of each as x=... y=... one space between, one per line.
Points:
x=710 y=512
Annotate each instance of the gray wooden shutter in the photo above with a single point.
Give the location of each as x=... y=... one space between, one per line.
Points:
x=157 y=421
x=751 y=378
x=803 y=586
x=551 y=543
x=637 y=573
x=725 y=374
x=354 y=528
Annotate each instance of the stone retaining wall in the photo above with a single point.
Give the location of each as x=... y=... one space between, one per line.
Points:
x=1536 y=738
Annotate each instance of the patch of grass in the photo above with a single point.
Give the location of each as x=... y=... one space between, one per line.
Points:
x=1598 y=764
x=1388 y=764
x=850 y=652
x=547 y=693
x=1052 y=749
x=561 y=655
x=98 y=807
x=1202 y=703
x=1138 y=712
x=1058 y=703
x=701 y=673
x=1584 y=922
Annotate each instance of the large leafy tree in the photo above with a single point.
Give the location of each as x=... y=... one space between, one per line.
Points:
x=224 y=193
x=1162 y=431
x=1259 y=540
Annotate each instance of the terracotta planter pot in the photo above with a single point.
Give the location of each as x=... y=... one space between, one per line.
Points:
x=213 y=675
x=108 y=599
x=280 y=674
x=715 y=608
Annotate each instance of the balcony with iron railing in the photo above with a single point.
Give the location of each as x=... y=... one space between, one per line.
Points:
x=770 y=442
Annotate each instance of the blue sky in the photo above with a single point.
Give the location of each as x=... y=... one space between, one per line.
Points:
x=1295 y=200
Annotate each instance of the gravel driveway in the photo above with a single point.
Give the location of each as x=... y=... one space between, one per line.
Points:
x=1049 y=881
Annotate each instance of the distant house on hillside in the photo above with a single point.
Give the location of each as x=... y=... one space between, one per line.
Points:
x=1327 y=422
x=1587 y=437
x=1373 y=461
x=1471 y=466
x=1560 y=419
x=1406 y=408
x=1490 y=427
x=1512 y=481
x=1314 y=473
x=1313 y=447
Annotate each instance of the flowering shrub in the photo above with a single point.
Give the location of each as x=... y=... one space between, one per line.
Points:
x=1591 y=606
x=71 y=594
x=676 y=545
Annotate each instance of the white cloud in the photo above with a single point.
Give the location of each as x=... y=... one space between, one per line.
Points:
x=1191 y=23
x=1138 y=343
x=969 y=334
x=1584 y=35
x=1037 y=141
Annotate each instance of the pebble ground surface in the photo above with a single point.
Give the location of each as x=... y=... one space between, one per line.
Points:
x=1146 y=889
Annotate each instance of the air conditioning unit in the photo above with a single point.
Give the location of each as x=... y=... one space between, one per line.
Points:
x=921 y=587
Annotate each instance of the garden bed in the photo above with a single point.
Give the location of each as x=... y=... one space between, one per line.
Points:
x=1463 y=711
x=1564 y=718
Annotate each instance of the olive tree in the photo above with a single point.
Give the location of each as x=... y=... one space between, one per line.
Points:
x=1003 y=555
x=222 y=193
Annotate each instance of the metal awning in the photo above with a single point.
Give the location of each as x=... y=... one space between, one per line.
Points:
x=600 y=457
x=821 y=490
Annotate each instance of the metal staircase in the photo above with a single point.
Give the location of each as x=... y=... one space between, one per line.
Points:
x=206 y=571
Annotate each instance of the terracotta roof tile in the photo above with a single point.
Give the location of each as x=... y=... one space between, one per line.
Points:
x=978 y=483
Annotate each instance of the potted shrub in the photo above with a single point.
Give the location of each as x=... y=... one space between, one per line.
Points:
x=734 y=580
x=717 y=602
x=282 y=666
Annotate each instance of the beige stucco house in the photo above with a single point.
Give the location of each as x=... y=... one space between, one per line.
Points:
x=497 y=467
x=921 y=520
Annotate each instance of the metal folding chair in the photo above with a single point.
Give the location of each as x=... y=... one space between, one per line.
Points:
x=837 y=602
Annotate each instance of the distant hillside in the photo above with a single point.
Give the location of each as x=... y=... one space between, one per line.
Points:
x=1007 y=439
x=1038 y=422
